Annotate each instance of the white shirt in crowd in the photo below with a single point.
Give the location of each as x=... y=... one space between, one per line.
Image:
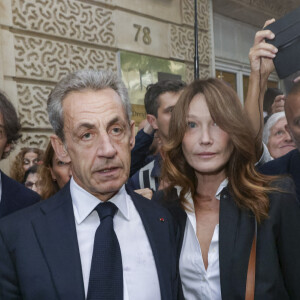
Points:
x=197 y=282
x=139 y=270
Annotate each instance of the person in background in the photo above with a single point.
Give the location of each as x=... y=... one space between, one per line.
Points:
x=13 y=195
x=25 y=159
x=261 y=60
x=289 y=163
x=32 y=179
x=276 y=137
x=160 y=100
x=54 y=173
x=145 y=147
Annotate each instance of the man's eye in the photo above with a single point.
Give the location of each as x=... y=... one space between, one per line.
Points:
x=26 y=162
x=86 y=136
x=116 y=130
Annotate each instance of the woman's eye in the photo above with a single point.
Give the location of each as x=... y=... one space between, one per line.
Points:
x=170 y=109
x=191 y=124
x=280 y=132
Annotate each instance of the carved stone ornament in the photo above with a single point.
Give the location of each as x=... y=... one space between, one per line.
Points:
x=34 y=139
x=42 y=59
x=32 y=105
x=204 y=72
x=188 y=11
x=67 y=19
x=182 y=44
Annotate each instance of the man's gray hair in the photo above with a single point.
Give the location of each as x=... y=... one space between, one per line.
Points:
x=270 y=123
x=83 y=80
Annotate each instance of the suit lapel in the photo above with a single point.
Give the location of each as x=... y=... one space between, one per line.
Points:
x=56 y=233
x=158 y=232
x=235 y=238
x=179 y=216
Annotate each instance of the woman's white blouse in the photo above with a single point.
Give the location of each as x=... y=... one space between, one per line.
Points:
x=197 y=282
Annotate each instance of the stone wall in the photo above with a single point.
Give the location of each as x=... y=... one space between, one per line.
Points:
x=43 y=40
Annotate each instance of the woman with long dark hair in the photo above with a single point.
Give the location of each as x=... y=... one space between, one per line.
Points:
x=224 y=208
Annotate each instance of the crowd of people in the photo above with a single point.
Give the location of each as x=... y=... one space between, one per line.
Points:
x=203 y=203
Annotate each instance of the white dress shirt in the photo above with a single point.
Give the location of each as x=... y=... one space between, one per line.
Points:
x=139 y=270
x=197 y=282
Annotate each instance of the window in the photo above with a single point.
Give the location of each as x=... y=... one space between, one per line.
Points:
x=138 y=71
x=237 y=75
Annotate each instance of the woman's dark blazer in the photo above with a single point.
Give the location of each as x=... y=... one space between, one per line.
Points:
x=278 y=244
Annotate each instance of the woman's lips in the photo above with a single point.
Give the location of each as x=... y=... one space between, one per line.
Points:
x=207 y=154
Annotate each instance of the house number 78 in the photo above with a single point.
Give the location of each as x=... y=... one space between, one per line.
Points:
x=145 y=32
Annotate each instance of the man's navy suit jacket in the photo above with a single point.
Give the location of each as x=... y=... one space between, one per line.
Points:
x=15 y=196
x=39 y=254
x=288 y=164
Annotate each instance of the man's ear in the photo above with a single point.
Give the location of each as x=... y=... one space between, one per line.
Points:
x=132 y=136
x=60 y=149
x=152 y=121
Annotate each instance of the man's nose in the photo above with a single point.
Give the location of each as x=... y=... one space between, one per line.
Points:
x=105 y=146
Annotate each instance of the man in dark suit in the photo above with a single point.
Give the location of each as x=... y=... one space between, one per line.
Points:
x=57 y=249
x=289 y=164
x=13 y=195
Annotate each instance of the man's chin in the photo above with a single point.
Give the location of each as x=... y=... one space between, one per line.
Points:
x=107 y=190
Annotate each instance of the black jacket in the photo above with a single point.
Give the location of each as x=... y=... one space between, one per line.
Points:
x=15 y=196
x=288 y=164
x=39 y=254
x=278 y=244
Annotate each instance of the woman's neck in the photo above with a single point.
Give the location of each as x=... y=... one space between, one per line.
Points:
x=208 y=184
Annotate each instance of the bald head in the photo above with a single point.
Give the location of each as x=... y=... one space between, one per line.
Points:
x=292 y=111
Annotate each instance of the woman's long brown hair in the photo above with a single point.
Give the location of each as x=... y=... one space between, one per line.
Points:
x=49 y=187
x=248 y=187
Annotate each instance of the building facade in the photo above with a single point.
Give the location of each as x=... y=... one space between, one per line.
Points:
x=43 y=40
x=143 y=40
